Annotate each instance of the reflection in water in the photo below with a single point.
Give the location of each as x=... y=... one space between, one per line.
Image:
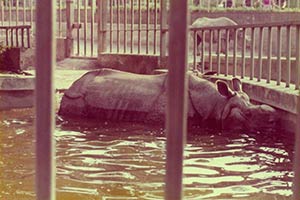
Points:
x=126 y=161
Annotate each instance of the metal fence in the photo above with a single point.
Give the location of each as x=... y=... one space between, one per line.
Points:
x=271 y=55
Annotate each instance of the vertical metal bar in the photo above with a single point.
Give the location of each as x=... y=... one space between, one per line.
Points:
x=278 y=55
x=252 y=53
x=211 y=32
x=2 y=13
x=85 y=28
x=155 y=27
x=28 y=37
x=226 y=51
x=6 y=34
x=147 y=26
x=125 y=26
x=131 y=25
x=111 y=12
x=139 y=25
x=31 y=12
x=243 y=54
x=59 y=18
x=92 y=26
x=203 y=51
x=177 y=99
x=17 y=36
x=69 y=23
x=260 y=52
x=297 y=82
x=17 y=12
x=269 y=54
x=102 y=21
x=78 y=30
x=22 y=37
x=163 y=26
x=9 y=12
x=24 y=11
x=219 y=52
x=12 y=37
x=195 y=49
x=235 y=32
x=288 y=56
x=44 y=89
x=118 y=26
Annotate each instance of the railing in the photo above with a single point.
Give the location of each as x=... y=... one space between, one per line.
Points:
x=259 y=61
x=15 y=36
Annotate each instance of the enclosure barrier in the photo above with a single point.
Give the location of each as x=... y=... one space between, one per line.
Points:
x=44 y=93
x=15 y=36
x=258 y=61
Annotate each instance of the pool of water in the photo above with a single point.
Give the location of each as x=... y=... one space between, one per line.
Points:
x=120 y=161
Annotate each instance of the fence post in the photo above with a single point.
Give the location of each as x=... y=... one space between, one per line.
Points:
x=102 y=22
x=163 y=29
x=176 y=117
x=70 y=21
x=44 y=92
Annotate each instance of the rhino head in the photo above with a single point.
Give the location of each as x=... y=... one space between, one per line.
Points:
x=239 y=113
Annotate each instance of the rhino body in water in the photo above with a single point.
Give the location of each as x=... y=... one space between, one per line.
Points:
x=108 y=94
x=220 y=21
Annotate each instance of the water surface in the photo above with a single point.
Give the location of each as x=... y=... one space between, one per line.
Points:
x=120 y=161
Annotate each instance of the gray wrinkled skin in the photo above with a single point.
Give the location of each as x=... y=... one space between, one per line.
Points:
x=108 y=94
x=220 y=21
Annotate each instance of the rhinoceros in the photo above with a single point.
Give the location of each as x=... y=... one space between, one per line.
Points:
x=220 y=21
x=107 y=94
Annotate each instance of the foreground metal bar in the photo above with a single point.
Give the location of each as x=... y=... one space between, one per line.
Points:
x=177 y=99
x=44 y=91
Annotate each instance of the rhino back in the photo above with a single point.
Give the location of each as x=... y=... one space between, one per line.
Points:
x=115 y=95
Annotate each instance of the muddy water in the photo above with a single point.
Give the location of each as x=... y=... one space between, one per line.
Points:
x=120 y=161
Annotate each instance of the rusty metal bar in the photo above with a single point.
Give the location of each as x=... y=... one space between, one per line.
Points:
x=17 y=37
x=288 y=56
x=155 y=27
x=139 y=25
x=22 y=37
x=6 y=33
x=163 y=27
x=210 y=49
x=12 y=37
x=176 y=120
x=28 y=37
x=226 y=51
x=252 y=53
x=111 y=13
x=235 y=52
x=278 y=55
x=31 y=13
x=131 y=25
x=85 y=27
x=260 y=53
x=44 y=90
x=243 y=54
x=219 y=52
x=118 y=26
x=203 y=51
x=297 y=82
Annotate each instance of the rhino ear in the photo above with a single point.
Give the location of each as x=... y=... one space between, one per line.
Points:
x=237 y=84
x=223 y=89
